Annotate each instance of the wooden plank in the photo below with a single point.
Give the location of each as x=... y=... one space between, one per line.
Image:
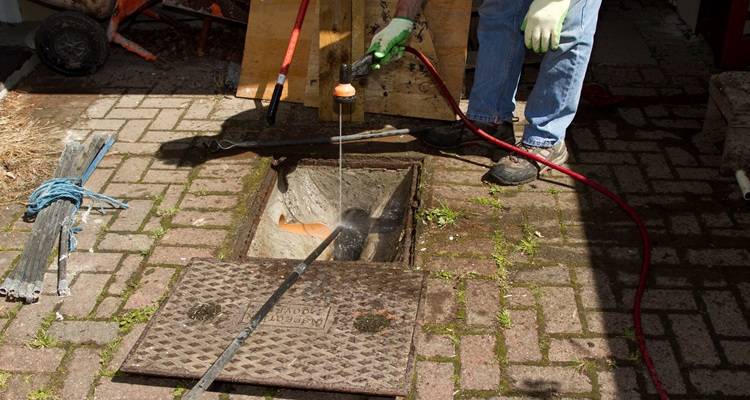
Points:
x=266 y=39
x=335 y=49
x=358 y=51
x=311 y=86
x=445 y=27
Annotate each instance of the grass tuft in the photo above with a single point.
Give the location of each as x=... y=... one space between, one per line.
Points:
x=137 y=316
x=488 y=202
x=41 y=394
x=503 y=319
x=441 y=216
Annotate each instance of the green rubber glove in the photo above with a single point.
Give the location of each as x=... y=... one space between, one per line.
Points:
x=388 y=44
x=543 y=24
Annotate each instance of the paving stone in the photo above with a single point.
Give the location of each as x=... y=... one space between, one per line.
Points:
x=84 y=261
x=21 y=387
x=521 y=339
x=724 y=313
x=167 y=119
x=434 y=381
x=482 y=302
x=630 y=178
x=574 y=349
x=745 y=292
x=25 y=359
x=171 y=197
x=560 y=310
x=100 y=124
x=136 y=149
x=199 y=125
x=130 y=100
x=165 y=102
x=84 y=291
x=199 y=219
x=162 y=176
x=177 y=255
x=209 y=202
x=194 y=237
x=84 y=332
x=682 y=187
x=542 y=276
x=671 y=299
x=83 y=368
x=151 y=287
x=461 y=265
x=433 y=345
x=129 y=242
x=694 y=339
x=91 y=229
x=616 y=323
x=132 y=389
x=665 y=362
x=132 y=169
x=133 y=130
x=655 y=166
x=133 y=217
x=548 y=379
x=440 y=303
x=618 y=384
x=100 y=107
x=108 y=307
x=737 y=353
x=718 y=257
x=200 y=109
x=224 y=170
x=27 y=321
x=6 y=260
x=597 y=297
x=216 y=185
x=132 y=113
x=679 y=156
x=134 y=190
x=13 y=240
x=520 y=297
x=721 y=382
x=98 y=179
x=128 y=341
x=166 y=137
x=685 y=224
x=480 y=369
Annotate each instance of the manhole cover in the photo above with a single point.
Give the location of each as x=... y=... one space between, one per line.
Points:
x=345 y=328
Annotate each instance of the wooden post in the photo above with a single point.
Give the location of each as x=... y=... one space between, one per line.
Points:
x=335 y=49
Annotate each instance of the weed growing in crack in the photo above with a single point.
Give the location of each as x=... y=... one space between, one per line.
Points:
x=42 y=339
x=496 y=189
x=444 y=275
x=441 y=216
x=500 y=256
x=529 y=245
x=41 y=394
x=167 y=212
x=488 y=202
x=503 y=319
x=4 y=377
x=158 y=233
x=137 y=316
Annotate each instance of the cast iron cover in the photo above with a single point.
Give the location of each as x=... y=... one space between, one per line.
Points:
x=341 y=327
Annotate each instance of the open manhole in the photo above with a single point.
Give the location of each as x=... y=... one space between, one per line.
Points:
x=302 y=206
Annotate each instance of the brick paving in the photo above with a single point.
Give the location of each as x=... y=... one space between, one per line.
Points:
x=529 y=292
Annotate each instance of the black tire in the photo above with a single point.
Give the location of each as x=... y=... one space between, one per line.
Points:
x=72 y=43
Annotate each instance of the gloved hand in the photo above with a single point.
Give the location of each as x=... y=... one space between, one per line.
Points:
x=388 y=44
x=543 y=24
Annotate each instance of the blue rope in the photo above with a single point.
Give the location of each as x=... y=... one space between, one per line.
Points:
x=68 y=189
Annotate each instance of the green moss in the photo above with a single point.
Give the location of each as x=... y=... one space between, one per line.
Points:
x=158 y=233
x=41 y=394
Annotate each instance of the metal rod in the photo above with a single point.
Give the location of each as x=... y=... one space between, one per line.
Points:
x=63 y=252
x=228 y=144
x=213 y=371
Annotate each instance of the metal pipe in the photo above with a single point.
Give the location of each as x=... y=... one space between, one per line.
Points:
x=744 y=183
x=374 y=134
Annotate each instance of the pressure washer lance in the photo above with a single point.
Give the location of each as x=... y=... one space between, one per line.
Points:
x=352 y=232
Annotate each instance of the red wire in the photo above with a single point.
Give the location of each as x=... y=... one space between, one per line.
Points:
x=294 y=37
x=645 y=266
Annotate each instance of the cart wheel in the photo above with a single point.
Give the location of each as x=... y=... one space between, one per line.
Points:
x=72 y=43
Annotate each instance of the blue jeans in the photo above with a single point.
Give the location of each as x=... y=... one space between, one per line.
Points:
x=553 y=102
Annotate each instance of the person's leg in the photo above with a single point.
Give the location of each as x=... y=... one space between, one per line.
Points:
x=499 y=61
x=553 y=102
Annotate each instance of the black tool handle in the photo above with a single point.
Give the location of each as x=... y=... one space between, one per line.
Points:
x=273 y=107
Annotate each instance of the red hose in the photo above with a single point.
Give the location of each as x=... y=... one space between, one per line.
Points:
x=645 y=266
x=294 y=38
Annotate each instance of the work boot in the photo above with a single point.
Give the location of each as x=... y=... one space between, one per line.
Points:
x=456 y=134
x=514 y=169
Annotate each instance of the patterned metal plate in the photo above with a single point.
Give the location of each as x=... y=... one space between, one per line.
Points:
x=341 y=327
